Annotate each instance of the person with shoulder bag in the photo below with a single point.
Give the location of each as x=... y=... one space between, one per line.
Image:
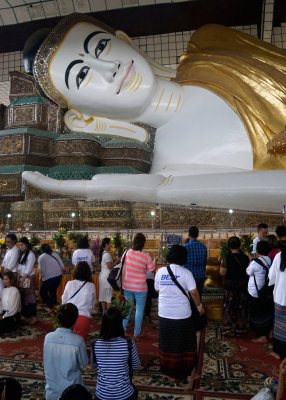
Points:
x=81 y=292
x=261 y=307
x=136 y=265
x=50 y=267
x=115 y=358
x=107 y=263
x=177 y=325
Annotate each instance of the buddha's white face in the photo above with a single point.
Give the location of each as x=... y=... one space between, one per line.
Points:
x=99 y=74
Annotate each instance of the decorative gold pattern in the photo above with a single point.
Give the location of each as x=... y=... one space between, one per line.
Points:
x=22 y=85
x=125 y=215
x=11 y=186
x=3 y=184
x=24 y=114
x=278 y=144
x=12 y=144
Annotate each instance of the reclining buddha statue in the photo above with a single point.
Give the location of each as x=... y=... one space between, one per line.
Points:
x=217 y=118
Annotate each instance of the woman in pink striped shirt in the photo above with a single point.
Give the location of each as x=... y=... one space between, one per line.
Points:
x=134 y=279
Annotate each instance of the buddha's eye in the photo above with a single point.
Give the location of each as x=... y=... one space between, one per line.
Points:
x=81 y=75
x=100 y=47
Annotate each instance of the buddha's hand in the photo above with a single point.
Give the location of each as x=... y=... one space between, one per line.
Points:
x=129 y=187
x=249 y=190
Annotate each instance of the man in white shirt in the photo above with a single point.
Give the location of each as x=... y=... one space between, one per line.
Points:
x=262 y=232
x=11 y=259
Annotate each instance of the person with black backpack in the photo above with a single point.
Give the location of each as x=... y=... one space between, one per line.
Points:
x=261 y=296
x=115 y=358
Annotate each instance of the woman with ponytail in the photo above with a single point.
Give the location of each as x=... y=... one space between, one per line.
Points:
x=106 y=262
x=27 y=281
x=277 y=277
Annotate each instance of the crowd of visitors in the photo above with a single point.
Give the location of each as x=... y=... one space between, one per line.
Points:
x=254 y=294
x=261 y=293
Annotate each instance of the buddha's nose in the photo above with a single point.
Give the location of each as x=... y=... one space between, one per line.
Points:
x=107 y=69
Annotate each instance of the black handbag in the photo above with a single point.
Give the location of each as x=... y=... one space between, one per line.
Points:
x=199 y=321
x=115 y=275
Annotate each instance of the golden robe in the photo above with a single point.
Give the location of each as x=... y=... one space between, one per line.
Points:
x=249 y=74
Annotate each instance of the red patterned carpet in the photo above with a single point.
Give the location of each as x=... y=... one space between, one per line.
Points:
x=230 y=369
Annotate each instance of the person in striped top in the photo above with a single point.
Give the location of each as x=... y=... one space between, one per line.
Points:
x=109 y=354
x=136 y=264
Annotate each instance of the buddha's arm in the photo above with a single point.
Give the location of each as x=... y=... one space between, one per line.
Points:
x=251 y=190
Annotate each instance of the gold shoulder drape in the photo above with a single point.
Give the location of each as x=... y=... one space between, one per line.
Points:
x=249 y=74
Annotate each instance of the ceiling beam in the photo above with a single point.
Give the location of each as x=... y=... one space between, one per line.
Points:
x=151 y=20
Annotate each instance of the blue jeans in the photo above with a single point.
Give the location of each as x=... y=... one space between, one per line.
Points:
x=48 y=290
x=140 y=299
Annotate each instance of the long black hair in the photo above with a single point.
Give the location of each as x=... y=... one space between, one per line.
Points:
x=104 y=242
x=282 y=246
x=26 y=252
x=112 y=326
x=46 y=248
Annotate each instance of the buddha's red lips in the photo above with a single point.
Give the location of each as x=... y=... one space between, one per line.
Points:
x=126 y=76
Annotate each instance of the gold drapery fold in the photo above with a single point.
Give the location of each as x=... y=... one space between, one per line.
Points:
x=249 y=74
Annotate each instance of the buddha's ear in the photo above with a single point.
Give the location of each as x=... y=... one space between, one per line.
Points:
x=75 y=120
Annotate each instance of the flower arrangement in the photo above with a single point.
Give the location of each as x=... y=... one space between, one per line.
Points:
x=2 y=244
x=75 y=236
x=165 y=252
x=54 y=315
x=246 y=242
x=60 y=240
x=223 y=249
x=62 y=231
x=246 y=245
x=95 y=247
x=122 y=304
x=34 y=241
x=120 y=244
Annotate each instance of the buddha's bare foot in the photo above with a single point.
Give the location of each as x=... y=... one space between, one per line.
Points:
x=273 y=354
x=173 y=380
x=261 y=339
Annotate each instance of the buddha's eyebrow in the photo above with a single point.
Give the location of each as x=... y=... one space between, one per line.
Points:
x=69 y=67
x=90 y=36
